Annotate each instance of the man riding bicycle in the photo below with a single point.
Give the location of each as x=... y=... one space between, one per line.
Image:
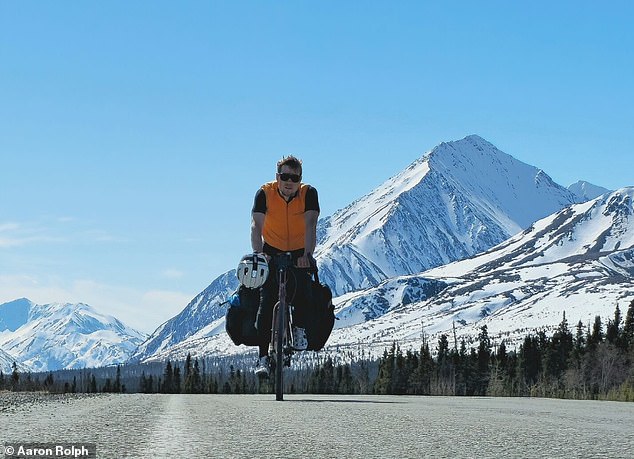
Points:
x=284 y=219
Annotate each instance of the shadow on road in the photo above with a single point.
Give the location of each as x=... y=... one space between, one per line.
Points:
x=338 y=400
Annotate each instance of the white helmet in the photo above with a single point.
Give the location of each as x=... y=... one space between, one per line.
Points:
x=253 y=270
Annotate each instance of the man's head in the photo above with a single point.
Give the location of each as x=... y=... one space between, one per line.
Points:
x=289 y=175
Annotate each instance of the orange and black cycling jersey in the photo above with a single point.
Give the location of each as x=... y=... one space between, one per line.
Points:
x=284 y=225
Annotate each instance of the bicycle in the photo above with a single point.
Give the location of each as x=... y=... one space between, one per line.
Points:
x=282 y=343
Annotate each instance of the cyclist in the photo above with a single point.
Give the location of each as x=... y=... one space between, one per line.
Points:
x=284 y=219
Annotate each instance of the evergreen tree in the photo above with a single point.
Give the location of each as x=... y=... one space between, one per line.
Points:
x=347 y=384
x=15 y=377
x=613 y=329
x=117 y=381
x=213 y=385
x=177 y=380
x=597 y=333
x=559 y=349
x=579 y=344
x=226 y=388
x=512 y=374
x=411 y=368
x=445 y=373
x=326 y=378
x=463 y=369
x=168 y=379
x=193 y=380
x=188 y=388
x=197 y=379
x=399 y=374
x=143 y=383
x=236 y=382
x=628 y=328
x=443 y=350
x=502 y=358
x=383 y=382
x=472 y=376
x=425 y=370
x=530 y=360
x=483 y=360
x=188 y=366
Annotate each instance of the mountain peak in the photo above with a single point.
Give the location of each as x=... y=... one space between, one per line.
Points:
x=474 y=141
x=14 y=314
x=462 y=197
x=586 y=190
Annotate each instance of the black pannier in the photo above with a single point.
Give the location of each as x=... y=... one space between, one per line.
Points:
x=324 y=315
x=243 y=308
x=240 y=317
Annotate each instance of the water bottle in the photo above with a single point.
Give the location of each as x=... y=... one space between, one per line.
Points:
x=234 y=300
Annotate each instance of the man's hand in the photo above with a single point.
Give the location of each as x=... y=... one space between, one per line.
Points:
x=305 y=261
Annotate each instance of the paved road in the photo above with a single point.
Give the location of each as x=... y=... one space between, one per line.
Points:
x=311 y=426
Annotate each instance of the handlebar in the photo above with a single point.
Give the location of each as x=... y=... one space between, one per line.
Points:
x=289 y=260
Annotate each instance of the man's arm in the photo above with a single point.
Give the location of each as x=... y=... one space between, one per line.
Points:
x=310 y=238
x=257 y=223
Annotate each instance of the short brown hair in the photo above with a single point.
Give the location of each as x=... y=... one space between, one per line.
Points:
x=290 y=161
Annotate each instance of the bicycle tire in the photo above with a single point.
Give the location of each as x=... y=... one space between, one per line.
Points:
x=280 y=318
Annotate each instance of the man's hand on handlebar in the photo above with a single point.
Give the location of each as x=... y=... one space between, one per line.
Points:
x=305 y=261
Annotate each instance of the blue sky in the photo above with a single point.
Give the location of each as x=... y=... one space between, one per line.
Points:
x=133 y=135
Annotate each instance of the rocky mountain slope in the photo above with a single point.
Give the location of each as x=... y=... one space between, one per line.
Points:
x=579 y=261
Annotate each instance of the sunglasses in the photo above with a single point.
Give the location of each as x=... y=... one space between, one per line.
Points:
x=292 y=177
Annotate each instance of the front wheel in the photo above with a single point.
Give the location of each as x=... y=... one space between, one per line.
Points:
x=278 y=337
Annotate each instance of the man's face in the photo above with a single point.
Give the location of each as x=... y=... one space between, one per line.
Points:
x=285 y=181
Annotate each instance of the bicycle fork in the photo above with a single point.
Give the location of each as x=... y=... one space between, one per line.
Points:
x=287 y=335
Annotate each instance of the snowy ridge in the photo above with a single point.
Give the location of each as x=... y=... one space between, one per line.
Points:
x=579 y=260
x=586 y=191
x=593 y=229
x=57 y=336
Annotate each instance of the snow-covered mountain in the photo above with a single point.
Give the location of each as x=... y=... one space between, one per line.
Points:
x=459 y=199
x=57 y=336
x=579 y=261
x=586 y=191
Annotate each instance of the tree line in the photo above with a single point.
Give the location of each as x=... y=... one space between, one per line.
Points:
x=85 y=383
x=594 y=362
x=589 y=362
